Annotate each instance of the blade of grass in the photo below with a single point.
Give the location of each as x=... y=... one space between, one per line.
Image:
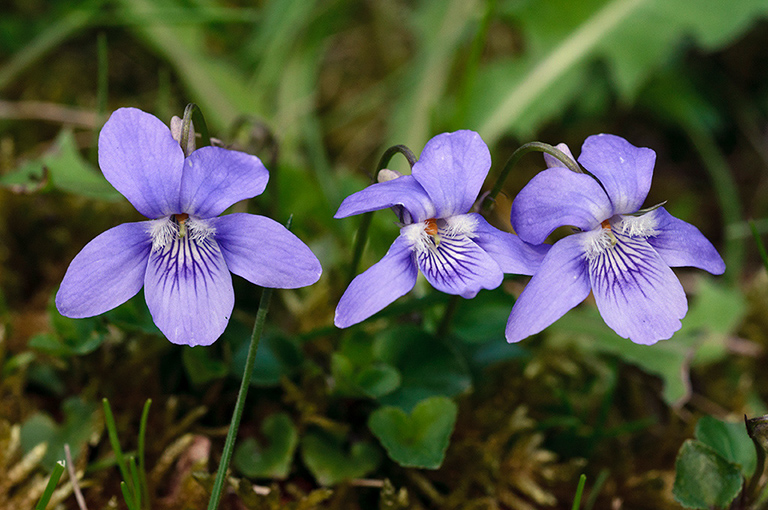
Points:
x=142 y=437
x=759 y=242
x=128 y=497
x=579 y=490
x=52 y=37
x=109 y=420
x=53 y=481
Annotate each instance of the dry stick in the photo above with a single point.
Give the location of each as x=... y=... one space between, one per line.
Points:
x=73 y=477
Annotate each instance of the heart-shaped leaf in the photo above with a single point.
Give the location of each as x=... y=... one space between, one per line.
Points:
x=730 y=440
x=418 y=439
x=274 y=460
x=704 y=479
x=330 y=463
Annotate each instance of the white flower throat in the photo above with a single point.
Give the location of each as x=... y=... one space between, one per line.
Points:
x=603 y=238
x=169 y=229
x=428 y=234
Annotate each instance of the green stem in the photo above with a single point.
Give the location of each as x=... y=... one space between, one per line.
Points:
x=53 y=481
x=579 y=492
x=365 y=222
x=229 y=444
x=142 y=438
x=450 y=311
x=760 y=246
x=515 y=157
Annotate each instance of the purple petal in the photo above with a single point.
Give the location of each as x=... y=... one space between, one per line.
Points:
x=624 y=170
x=264 y=252
x=459 y=266
x=553 y=162
x=511 y=254
x=557 y=197
x=215 y=178
x=452 y=169
x=637 y=293
x=681 y=244
x=107 y=272
x=140 y=158
x=403 y=191
x=188 y=290
x=385 y=281
x=560 y=284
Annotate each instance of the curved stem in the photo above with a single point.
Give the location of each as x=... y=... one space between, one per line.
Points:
x=365 y=222
x=490 y=199
x=229 y=444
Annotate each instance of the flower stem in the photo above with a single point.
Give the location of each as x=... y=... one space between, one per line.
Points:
x=365 y=222
x=229 y=444
x=445 y=324
x=515 y=157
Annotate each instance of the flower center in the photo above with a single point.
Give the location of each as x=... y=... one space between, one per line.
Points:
x=428 y=234
x=169 y=229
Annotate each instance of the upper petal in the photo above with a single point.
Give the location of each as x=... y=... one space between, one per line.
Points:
x=452 y=169
x=189 y=292
x=107 y=272
x=215 y=178
x=624 y=170
x=457 y=265
x=560 y=284
x=140 y=158
x=264 y=252
x=403 y=191
x=511 y=253
x=557 y=197
x=385 y=281
x=681 y=244
x=638 y=295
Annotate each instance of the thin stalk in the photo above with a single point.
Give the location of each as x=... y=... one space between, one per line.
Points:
x=73 y=478
x=229 y=444
x=109 y=420
x=516 y=156
x=450 y=311
x=142 y=437
x=53 y=481
x=365 y=222
x=760 y=246
x=579 y=492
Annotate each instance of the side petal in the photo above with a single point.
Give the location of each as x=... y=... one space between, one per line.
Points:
x=215 y=178
x=560 y=284
x=140 y=158
x=513 y=255
x=264 y=252
x=624 y=170
x=457 y=265
x=557 y=197
x=403 y=191
x=189 y=292
x=638 y=295
x=107 y=272
x=681 y=244
x=452 y=169
x=385 y=281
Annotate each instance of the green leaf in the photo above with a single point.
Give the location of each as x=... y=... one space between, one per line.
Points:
x=201 y=367
x=80 y=420
x=703 y=479
x=427 y=366
x=418 y=439
x=330 y=463
x=373 y=380
x=563 y=38
x=274 y=460
x=730 y=440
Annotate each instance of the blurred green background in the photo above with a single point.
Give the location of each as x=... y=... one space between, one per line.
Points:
x=318 y=89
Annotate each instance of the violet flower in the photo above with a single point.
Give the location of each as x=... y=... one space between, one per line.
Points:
x=183 y=255
x=621 y=253
x=458 y=251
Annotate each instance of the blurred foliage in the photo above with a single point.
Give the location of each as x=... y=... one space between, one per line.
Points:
x=411 y=409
